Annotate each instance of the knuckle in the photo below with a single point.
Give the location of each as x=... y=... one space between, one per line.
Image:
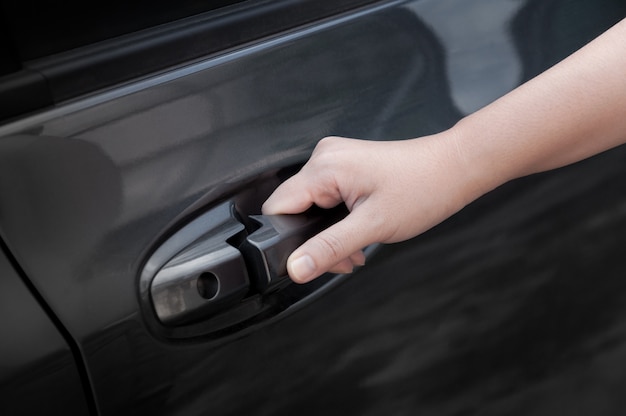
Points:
x=330 y=155
x=379 y=226
x=327 y=142
x=332 y=246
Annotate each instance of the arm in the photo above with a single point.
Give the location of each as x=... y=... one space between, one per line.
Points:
x=397 y=190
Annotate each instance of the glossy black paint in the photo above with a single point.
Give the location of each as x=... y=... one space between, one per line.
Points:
x=513 y=306
x=37 y=368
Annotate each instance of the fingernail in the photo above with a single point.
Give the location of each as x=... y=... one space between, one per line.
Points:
x=302 y=268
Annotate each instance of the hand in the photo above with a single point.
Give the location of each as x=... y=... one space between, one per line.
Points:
x=394 y=191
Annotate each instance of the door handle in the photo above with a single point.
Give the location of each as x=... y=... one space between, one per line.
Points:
x=268 y=248
x=205 y=275
x=226 y=269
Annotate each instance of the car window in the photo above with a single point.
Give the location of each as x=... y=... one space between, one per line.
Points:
x=90 y=22
x=52 y=56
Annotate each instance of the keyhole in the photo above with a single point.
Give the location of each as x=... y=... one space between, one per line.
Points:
x=208 y=285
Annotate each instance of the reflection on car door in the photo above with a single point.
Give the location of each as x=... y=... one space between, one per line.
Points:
x=464 y=319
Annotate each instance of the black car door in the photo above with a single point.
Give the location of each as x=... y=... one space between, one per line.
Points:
x=127 y=193
x=38 y=369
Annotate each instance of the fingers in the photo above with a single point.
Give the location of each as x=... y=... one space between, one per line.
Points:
x=316 y=183
x=291 y=197
x=297 y=194
x=358 y=258
x=344 y=266
x=338 y=248
x=330 y=177
x=347 y=265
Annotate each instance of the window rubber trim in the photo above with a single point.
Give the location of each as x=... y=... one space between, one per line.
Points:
x=68 y=75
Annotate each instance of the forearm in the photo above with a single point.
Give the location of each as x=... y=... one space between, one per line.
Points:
x=572 y=111
x=396 y=190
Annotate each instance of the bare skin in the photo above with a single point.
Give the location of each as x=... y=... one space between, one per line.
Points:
x=399 y=189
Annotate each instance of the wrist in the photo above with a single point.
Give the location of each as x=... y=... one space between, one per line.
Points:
x=477 y=169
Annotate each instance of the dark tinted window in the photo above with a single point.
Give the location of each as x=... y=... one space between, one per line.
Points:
x=9 y=61
x=69 y=25
x=51 y=52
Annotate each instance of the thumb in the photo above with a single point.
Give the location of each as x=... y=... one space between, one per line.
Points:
x=331 y=246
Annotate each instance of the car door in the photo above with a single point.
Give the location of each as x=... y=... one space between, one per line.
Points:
x=131 y=193
x=36 y=354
